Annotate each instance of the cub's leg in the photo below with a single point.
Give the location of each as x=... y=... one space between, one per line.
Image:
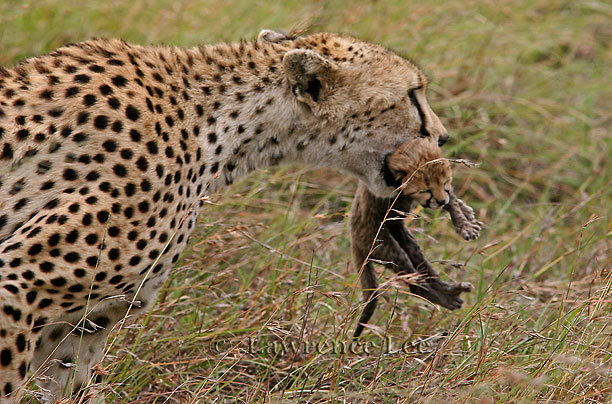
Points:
x=434 y=289
x=391 y=254
x=462 y=216
x=397 y=249
x=369 y=285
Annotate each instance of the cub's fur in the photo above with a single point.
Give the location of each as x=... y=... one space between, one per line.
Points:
x=425 y=178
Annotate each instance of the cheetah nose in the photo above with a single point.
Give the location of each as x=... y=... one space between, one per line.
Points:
x=443 y=139
x=440 y=203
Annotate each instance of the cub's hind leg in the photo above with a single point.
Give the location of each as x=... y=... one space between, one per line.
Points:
x=369 y=285
x=433 y=288
x=386 y=250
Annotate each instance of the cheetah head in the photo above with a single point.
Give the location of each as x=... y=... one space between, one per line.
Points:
x=364 y=100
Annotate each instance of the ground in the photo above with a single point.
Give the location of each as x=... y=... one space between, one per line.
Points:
x=524 y=90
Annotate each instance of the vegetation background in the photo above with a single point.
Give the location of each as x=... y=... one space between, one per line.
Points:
x=524 y=87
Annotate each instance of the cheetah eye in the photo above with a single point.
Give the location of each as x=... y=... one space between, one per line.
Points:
x=400 y=174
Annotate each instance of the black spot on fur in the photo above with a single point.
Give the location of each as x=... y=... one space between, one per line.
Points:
x=72 y=91
x=6 y=356
x=89 y=100
x=70 y=174
x=132 y=113
x=82 y=118
x=97 y=68
x=109 y=145
x=101 y=122
x=117 y=126
x=119 y=81
x=105 y=89
x=114 y=103
x=135 y=135
x=7 y=152
x=142 y=164
x=82 y=78
x=152 y=147
x=119 y=170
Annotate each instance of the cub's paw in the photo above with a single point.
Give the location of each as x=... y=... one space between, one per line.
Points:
x=466 y=209
x=442 y=293
x=469 y=230
x=449 y=293
x=458 y=288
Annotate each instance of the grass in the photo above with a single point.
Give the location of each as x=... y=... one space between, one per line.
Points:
x=262 y=304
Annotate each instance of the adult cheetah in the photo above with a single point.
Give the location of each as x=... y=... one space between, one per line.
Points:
x=106 y=149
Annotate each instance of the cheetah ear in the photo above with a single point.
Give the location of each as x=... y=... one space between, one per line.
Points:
x=268 y=35
x=309 y=74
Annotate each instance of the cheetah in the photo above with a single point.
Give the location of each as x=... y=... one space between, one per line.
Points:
x=422 y=177
x=107 y=150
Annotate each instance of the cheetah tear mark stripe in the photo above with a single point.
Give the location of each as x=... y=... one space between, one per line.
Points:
x=415 y=102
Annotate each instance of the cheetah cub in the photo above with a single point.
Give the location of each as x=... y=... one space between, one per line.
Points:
x=424 y=179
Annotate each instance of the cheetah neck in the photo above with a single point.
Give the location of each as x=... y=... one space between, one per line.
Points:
x=240 y=101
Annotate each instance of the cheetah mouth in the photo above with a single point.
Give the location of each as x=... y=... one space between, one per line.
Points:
x=387 y=175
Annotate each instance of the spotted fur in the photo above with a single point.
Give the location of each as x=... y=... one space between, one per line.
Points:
x=106 y=149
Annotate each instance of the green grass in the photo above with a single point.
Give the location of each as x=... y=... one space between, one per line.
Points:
x=524 y=88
